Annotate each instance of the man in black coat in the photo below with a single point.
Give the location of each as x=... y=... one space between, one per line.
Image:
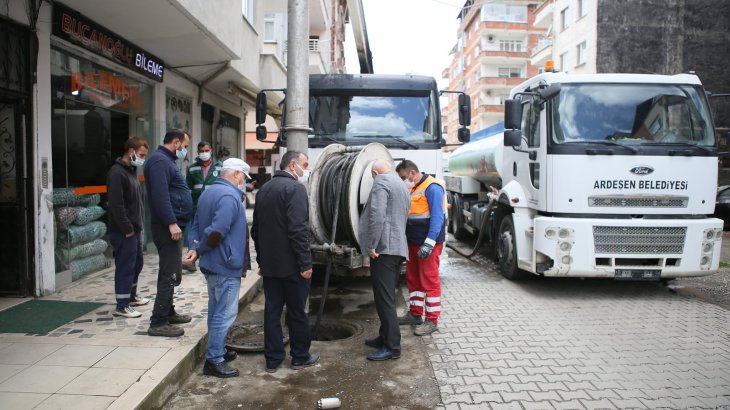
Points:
x=126 y=219
x=281 y=236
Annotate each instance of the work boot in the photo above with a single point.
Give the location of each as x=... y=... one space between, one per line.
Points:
x=409 y=319
x=221 y=370
x=177 y=318
x=166 y=331
x=426 y=328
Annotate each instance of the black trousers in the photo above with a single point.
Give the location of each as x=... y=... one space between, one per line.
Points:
x=385 y=270
x=168 y=276
x=291 y=291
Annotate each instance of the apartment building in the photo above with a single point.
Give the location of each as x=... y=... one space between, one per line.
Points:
x=491 y=56
x=639 y=36
x=78 y=78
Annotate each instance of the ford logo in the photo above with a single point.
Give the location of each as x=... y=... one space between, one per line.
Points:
x=641 y=170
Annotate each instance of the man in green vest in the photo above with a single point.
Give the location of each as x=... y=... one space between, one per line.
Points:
x=200 y=175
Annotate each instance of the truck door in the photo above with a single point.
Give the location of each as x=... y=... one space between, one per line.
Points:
x=531 y=173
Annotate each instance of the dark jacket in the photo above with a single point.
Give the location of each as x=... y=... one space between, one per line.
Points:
x=280 y=229
x=126 y=214
x=219 y=232
x=197 y=183
x=169 y=195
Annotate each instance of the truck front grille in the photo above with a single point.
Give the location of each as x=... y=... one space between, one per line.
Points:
x=639 y=240
x=638 y=202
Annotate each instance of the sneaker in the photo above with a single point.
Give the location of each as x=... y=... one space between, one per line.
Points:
x=426 y=328
x=409 y=319
x=127 y=312
x=166 y=331
x=139 y=301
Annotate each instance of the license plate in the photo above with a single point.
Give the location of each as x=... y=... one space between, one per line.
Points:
x=637 y=274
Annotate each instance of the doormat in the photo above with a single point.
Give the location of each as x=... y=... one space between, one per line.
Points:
x=42 y=316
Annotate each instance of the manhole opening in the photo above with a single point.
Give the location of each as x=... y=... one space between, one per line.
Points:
x=249 y=337
x=331 y=330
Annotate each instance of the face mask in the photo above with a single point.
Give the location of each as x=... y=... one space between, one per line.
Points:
x=204 y=156
x=409 y=184
x=136 y=161
x=305 y=175
x=181 y=154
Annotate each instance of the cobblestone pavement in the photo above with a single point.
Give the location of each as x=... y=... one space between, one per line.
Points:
x=575 y=344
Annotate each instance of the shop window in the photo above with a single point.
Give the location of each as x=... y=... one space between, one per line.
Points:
x=94 y=111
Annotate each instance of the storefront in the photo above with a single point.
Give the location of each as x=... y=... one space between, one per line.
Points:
x=102 y=92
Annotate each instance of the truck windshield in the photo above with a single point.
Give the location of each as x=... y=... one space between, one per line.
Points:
x=394 y=121
x=632 y=114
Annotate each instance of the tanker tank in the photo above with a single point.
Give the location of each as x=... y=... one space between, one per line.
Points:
x=481 y=160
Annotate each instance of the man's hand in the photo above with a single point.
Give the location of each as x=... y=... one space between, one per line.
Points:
x=372 y=253
x=425 y=250
x=129 y=235
x=307 y=273
x=175 y=232
x=190 y=258
x=261 y=273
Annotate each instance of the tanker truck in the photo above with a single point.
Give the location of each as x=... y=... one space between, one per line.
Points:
x=355 y=119
x=599 y=175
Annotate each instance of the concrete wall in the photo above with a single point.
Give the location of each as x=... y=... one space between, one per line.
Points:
x=225 y=27
x=668 y=37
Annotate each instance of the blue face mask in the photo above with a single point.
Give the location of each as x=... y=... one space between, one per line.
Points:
x=181 y=154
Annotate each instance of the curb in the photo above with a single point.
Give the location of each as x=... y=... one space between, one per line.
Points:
x=172 y=374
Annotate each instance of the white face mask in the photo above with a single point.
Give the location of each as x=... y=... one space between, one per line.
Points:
x=409 y=184
x=204 y=156
x=136 y=161
x=305 y=175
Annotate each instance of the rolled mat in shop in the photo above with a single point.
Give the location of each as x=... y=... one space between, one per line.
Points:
x=42 y=316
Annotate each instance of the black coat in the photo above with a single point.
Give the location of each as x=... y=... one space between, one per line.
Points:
x=280 y=229
x=126 y=214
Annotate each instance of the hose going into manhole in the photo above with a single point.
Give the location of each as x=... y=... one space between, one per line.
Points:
x=335 y=177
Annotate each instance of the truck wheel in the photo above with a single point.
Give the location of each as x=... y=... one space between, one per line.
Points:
x=450 y=202
x=457 y=220
x=507 y=251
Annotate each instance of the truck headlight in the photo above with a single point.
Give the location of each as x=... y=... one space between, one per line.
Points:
x=565 y=246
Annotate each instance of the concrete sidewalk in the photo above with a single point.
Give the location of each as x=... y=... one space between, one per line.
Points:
x=101 y=361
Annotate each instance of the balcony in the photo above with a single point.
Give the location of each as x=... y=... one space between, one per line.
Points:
x=542 y=52
x=500 y=82
x=544 y=14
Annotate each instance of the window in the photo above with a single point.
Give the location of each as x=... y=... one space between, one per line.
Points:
x=582 y=8
x=581 y=53
x=509 y=72
x=514 y=46
x=247 y=9
x=564 y=18
x=504 y=12
x=564 y=62
x=269 y=28
x=476 y=51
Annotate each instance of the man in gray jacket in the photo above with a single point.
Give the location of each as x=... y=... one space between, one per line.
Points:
x=382 y=236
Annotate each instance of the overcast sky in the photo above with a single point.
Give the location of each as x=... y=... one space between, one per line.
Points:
x=408 y=36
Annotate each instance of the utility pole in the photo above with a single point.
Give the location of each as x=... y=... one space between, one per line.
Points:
x=297 y=77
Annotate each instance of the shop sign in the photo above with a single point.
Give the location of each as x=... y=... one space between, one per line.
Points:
x=72 y=26
x=106 y=88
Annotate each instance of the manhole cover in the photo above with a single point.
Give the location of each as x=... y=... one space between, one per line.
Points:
x=249 y=337
x=335 y=329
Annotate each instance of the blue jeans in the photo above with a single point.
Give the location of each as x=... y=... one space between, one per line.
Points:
x=222 y=311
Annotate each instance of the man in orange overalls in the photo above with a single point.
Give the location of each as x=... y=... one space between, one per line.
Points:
x=425 y=232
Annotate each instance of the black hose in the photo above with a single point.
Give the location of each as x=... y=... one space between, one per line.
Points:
x=480 y=238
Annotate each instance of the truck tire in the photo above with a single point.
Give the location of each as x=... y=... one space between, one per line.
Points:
x=457 y=220
x=507 y=251
x=450 y=202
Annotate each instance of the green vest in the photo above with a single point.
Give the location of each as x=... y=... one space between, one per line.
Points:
x=195 y=179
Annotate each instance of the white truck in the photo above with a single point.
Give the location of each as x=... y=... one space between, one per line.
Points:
x=600 y=175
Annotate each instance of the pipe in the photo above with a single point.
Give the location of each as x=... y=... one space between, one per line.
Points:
x=480 y=238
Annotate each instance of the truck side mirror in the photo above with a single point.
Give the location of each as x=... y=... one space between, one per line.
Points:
x=464 y=135
x=464 y=109
x=550 y=91
x=512 y=114
x=260 y=109
x=512 y=138
x=261 y=133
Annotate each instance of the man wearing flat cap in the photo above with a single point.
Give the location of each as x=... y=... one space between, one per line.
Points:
x=219 y=238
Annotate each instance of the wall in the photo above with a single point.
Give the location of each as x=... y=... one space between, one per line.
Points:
x=668 y=37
